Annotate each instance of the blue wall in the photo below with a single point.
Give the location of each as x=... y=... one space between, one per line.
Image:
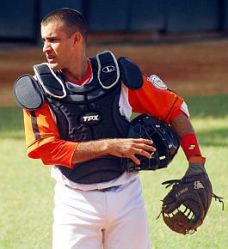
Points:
x=192 y=15
x=20 y=19
x=17 y=19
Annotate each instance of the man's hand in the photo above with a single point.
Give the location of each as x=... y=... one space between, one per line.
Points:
x=130 y=147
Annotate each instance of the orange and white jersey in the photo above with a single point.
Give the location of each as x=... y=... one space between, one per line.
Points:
x=41 y=131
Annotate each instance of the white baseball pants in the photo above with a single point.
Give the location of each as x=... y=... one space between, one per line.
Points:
x=114 y=218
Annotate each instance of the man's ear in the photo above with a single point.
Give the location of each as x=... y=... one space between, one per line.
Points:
x=77 y=38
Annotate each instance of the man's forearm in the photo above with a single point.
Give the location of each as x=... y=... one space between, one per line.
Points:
x=90 y=150
x=182 y=125
x=118 y=147
x=188 y=139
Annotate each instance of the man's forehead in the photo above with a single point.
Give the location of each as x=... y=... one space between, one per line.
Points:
x=52 y=27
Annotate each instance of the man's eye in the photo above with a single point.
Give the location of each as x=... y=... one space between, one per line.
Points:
x=50 y=40
x=53 y=40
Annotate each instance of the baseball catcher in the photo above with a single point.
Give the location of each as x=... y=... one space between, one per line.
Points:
x=77 y=113
x=185 y=207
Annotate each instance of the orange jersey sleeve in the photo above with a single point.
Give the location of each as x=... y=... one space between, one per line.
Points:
x=42 y=138
x=156 y=100
x=57 y=152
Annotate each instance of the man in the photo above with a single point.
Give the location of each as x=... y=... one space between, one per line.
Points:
x=81 y=125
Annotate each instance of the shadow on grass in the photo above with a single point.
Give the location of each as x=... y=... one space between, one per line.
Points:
x=203 y=106
x=11 y=123
x=215 y=137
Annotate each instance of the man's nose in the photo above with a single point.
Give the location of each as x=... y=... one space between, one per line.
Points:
x=46 y=46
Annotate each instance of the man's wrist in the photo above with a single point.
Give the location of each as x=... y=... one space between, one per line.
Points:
x=197 y=160
x=196 y=166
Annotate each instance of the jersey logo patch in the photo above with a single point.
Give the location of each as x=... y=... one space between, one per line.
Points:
x=157 y=82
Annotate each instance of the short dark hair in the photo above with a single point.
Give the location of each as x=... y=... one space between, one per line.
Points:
x=71 y=18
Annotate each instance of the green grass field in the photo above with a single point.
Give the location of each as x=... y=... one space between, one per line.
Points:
x=26 y=189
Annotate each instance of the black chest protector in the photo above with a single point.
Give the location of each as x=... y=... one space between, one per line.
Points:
x=89 y=112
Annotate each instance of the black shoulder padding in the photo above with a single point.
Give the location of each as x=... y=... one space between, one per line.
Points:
x=130 y=73
x=51 y=83
x=108 y=71
x=27 y=93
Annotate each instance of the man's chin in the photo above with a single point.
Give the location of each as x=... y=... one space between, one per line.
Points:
x=54 y=65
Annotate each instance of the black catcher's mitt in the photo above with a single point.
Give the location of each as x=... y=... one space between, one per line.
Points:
x=185 y=206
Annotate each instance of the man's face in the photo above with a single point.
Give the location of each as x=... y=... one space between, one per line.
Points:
x=58 y=45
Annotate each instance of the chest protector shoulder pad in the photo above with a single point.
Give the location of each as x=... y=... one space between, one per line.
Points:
x=28 y=93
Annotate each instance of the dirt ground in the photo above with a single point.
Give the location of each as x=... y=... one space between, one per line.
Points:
x=190 y=68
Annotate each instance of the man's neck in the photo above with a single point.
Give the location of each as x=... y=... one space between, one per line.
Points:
x=77 y=72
